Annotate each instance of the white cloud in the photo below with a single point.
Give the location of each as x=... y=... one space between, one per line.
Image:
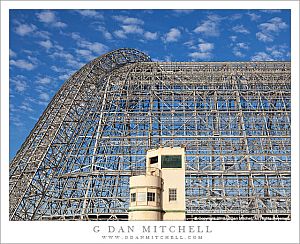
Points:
x=173 y=35
x=200 y=55
x=63 y=77
x=46 y=44
x=128 y=20
x=26 y=107
x=209 y=27
x=96 y=47
x=44 y=97
x=105 y=33
x=253 y=16
x=12 y=54
x=90 y=13
x=236 y=16
x=86 y=54
x=190 y=44
x=233 y=38
x=24 y=29
x=150 y=35
x=42 y=34
x=59 y=24
x=261 y=56
x=240 y=29
x=135 y=29
x=49 y=17
x=238 y=53
x=59 y=69
x=17 y=121
x=242 y=45
x=120 y=34
x=44 y=80
x=69 y=58
x=270 y=28
x=22 y=64
x=275 y=24
x=278 y=52
x=75 y=36
x=238 y=49
x=265 y=37
x=46 y=16
x=203 y=52
x=19 y=83
x=206 y=47
x=132 y=29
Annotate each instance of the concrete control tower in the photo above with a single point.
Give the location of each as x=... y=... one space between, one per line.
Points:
x=160 y=193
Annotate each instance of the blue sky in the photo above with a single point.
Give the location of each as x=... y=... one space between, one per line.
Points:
x=47 y=46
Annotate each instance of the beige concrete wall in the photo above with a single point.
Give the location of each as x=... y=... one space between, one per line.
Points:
x=142 y=209
x=159 y=182
x=172 y=178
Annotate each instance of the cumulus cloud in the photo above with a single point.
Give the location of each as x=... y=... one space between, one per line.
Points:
x=238 y=49
x=276 y=24
x=173 y=35
x=253 y=16
x=22 y=64
x=240 y=29
x=90 y=13
x=95 y=47
x=25 y=106
x=44 y=97
x=132 y=29
x=278 y=52
x=46 y=44
x=86 y=54
x=275 y=52
x=49 y=17
x=24 y=29
x=209 y=27
x=200 y=56
x=270 y=28
x=205 y=47
x=150 y=35
x=19 y=83
x=133 y=26
x=43 y=80
x=128 y=20
x=203 y=50
x=105 y=33
x=265 y=37
x=261 y=56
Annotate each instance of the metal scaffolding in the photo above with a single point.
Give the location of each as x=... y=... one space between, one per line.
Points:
x=233 y=118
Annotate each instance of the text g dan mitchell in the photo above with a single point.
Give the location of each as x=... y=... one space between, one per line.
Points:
x=152 y=229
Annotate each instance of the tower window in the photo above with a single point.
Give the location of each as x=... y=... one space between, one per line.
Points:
x=154 y=160
x=171 y=161
x=133 y=197
x=172 y=194
x=151 y=196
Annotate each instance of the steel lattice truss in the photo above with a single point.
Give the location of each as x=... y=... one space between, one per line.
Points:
x=232 y=117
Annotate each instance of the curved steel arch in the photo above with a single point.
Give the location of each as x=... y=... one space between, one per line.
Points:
x=27 y=165
x=120 y=57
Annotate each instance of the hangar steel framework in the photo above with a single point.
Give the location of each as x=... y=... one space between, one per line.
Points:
x=233 y=118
